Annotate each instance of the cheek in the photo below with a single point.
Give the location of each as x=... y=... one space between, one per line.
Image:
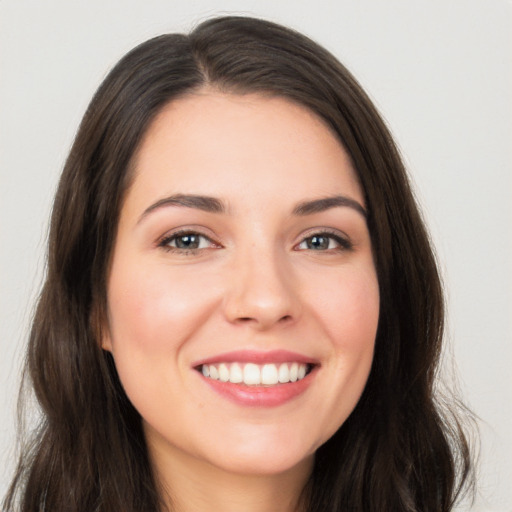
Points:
x=341 y=313
x=350 y=316
x=153 y=309
x=349 y=309
x=153 y=312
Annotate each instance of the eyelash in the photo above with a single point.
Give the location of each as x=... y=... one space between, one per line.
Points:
x=166 y=240
x=343 y=244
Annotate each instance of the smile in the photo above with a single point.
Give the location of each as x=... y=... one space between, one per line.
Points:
x=251 y=374
x=258 y=378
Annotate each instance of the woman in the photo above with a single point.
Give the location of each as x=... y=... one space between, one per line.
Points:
x=242 y=310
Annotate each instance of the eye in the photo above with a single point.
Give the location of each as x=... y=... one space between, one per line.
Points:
x=186 y=241
x=324 y=242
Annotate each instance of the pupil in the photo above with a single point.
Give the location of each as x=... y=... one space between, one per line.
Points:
x=318 y=242
x=187 y=242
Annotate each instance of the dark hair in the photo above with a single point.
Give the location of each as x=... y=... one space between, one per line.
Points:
x=398 y=451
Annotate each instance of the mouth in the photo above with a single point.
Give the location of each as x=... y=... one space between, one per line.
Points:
x=252 y=374
x=258 y=378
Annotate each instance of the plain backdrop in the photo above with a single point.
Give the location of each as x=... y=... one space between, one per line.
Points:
x=440 y=71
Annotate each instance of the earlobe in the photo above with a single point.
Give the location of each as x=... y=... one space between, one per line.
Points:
x=106 y=342
x=100 y=328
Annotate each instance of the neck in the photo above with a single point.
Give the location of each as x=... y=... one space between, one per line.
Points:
x=192 y=485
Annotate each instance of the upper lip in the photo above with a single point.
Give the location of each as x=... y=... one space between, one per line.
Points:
x=257 y=357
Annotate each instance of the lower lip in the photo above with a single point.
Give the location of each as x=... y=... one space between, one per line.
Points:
x=260 y=396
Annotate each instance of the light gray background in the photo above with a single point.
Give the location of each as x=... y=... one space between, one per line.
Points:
x=439 y=70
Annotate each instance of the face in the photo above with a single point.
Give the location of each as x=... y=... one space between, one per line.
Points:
x=242 y=295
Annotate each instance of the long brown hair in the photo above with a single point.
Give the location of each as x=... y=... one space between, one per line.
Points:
x=398 y=451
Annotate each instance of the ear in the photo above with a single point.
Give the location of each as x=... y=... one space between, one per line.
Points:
x=106 y=342
x=99 y=325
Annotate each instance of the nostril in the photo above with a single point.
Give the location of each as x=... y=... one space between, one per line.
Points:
x=250 y=319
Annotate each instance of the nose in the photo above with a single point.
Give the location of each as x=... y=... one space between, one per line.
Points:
x=261 y=292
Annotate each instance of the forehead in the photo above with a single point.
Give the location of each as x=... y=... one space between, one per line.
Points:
x=247 y=146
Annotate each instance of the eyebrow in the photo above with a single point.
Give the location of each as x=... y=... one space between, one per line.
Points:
x=326 y=203
x=205 y=203
x=214 y=205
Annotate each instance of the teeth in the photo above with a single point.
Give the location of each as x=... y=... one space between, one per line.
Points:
x=252 y=374
x=214 y=373
x=223 y=373
x=269 y=375
x=236 y=374
x=294 y=371
x=284 y=373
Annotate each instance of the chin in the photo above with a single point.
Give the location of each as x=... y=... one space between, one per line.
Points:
x=255 y=454
x=265 y=464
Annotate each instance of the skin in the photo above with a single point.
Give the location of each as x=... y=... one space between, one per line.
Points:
x=254 y=283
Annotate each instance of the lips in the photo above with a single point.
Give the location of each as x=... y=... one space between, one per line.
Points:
x=258 y=378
